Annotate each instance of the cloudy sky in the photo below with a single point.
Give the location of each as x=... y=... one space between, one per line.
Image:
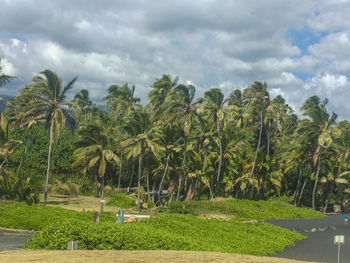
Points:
x=300 y=47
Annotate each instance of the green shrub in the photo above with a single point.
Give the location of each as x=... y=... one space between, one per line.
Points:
x=122 y=201
x=14 y=188
x=36 y=217
x=175 y=232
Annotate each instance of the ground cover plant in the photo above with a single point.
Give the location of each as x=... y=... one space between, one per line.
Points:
x=169 y=232
x=121 y=200
x=242 y=209
x=36 y=217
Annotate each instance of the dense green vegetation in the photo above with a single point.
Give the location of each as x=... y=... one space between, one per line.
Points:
x=169 y=232
x=244 y=145
x=122 y=201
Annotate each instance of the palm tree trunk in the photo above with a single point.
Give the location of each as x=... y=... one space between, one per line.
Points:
x=25 y=152
x=132 y=173
x=259 y=141
x=96 y=186
x=302 y=191
x=316 y=180
x=163 y=177
x=218 y=128
x=183 y=169
x=102 y=193
x=296 y=191
x=120 y=169
x=147 y=181
x=139 y=182
x=48 y=162
x=268 y=139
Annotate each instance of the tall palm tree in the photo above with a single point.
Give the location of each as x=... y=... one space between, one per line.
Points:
x=257 y=98
x=95 y=142
x=319 y=129
x=181 y=106
x=145 y=140
x=47 y=94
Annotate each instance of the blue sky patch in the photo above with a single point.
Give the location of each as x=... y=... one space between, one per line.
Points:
x=303 y=38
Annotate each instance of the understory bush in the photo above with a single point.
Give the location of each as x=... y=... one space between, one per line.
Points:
x=18 y=189
x=67 y=188
x=243 y=209
x=35 y=217
x=168 y=232
x=122 y=201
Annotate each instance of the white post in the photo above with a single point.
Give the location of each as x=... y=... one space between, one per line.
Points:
x=338 y=252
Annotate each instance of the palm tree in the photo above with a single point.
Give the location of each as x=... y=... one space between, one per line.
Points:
x=214 y=103
x=4 y=79
x=7 y=145
x=181 y=106
x=95 y=142
x=47 y=94
x=81 y=104
x=257 y=97
x=160 y=90
x=19 y=116
x=318 y=130
x=121 y=100
x=145 y=140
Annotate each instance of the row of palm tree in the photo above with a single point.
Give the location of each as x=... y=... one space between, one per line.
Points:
x=245 y=145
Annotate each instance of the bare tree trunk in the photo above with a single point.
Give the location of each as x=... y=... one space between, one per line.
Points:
x=302 y=191
x=102 y=193
x=316 y=180
x=132 y=173
x=296 y=191
x=163 y=177
x=147 y=181
x=259 y=141
x=218 y=128
x=120 y=169
x=183 y=169
x=139 y=182
x=96 y=186
x=48 y=163
x=25 y=152
x=268 y=139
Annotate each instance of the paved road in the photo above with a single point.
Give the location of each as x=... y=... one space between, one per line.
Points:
x=319 y=246
x=12 y=240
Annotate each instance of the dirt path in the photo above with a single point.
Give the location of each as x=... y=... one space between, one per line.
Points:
x=319 y=246
x=131 y=257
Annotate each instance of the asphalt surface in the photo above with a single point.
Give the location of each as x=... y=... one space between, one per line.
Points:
x=13 y=240
x=319 y=246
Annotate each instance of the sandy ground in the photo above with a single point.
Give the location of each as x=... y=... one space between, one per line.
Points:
x=131 y=257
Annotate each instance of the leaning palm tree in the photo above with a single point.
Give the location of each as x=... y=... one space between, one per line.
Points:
x=319 y=130
x=46 y=94
x=4 y=79
x=95 y=142
x=145 y=140
x=181 y=106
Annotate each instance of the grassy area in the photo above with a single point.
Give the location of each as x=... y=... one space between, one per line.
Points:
x=132 y=256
